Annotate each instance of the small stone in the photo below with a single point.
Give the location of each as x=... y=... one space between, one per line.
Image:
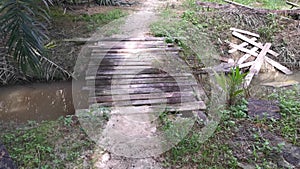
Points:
x=202 y=116
x=292 y=156
x=263 y=109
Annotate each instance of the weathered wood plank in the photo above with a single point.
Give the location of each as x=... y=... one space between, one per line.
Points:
x=159 y=86
x=159 y=101
x=188 y=106
x=101 y=55
x=101 y=92
x=246 y=56
x=244 y=44
x=259 y=45
x=139 y=46
x=138 y=76
x=243 y=65
x=152 y=50
x=141 y=81
x=114 y=39
x=248 y=51
x=254 y=69
x=279 y=66
x=116 y=63
x=141 y=96
x=292 y=4
x=245 y=32
x=127 y=72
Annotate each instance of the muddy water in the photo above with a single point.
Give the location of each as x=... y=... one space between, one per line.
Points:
x=259 y=88
x=36 y=102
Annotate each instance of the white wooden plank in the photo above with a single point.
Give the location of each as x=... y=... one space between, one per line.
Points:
x=243 y=65
x=245 y=32
x=279 y=66
x=246 y=56
x=244 y=44
x=259 y=45
x=253 y=53
x=254 y=69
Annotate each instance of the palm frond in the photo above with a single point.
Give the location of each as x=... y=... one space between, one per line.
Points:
x=25 y=35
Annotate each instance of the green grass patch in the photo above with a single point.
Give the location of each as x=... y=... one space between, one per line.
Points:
x=267 y=4
x=49 y=144
x=96 y=20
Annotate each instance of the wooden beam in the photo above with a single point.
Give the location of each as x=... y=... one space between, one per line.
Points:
x=279 y=66
x=253 y=53
x=292 y=4
x=244 y=44
x=237 y=4
x=254 y=69
x=245 y=32
x=246 y=56
x=259 y=45
x=246 y=64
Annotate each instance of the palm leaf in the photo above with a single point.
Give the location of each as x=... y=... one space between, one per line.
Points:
x=20 y=25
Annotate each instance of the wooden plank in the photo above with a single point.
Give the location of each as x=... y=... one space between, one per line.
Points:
x=152 y=50
x=254 y=69
x=124 y=46
x=159 y=86
x=245 y=32
x=243 y=65
x=158 y=101
x=115 y=63
x=244 y=44
x=142 y=81
x=114 y=39
x=281 y=84
x=138 y=76
x=248 y=51
x=259 y=45
x=292 y=4
x=126 y=72
x=246 y=56
x=237 y=4
x=140 y=96
x=107 y=55
x=187 y=106
x=279 y=66
x=105 y=67
x=101 y=92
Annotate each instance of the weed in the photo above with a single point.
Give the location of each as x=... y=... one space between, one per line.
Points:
x=102 y=18
x=231 y=84
x=50 y=144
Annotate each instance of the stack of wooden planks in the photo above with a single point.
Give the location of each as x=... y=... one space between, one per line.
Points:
x=124 y=73
x=257 y=54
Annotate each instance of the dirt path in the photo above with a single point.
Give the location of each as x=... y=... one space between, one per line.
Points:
x=131 y=132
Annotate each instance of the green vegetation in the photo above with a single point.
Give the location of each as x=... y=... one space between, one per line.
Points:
x=239 y=141
x=101 y=19
x=268 y=4
x=232 y=84
x=223 y=151
x=49 y=144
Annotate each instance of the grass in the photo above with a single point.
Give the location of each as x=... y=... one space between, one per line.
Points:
x=257 y=147
x=223 y=151
x=49 y=144
x=97 y=20
x=267 y=4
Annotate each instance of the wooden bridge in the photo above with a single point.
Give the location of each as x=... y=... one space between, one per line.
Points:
x=142 y=73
